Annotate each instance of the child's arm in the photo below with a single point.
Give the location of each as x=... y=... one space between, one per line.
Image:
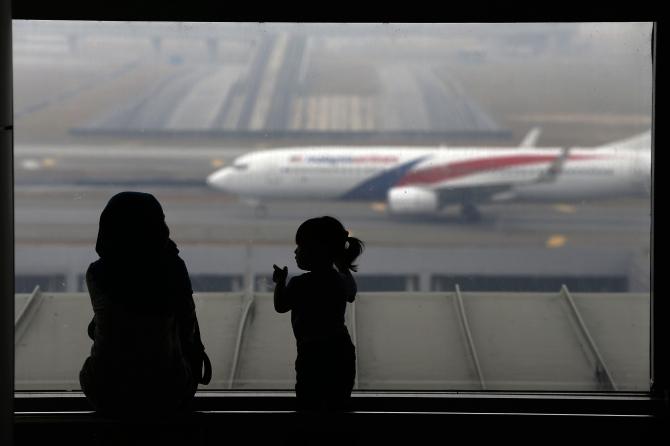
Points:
x=281 y=298
x=350 y=283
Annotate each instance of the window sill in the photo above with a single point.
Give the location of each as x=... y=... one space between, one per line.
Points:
x=260 y=418
x=502 y=403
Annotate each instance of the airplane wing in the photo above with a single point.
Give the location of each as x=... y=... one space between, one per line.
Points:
x=555 y=168
x=491 y=177
x=495 y=177
x=531 y=138
x=504 y=170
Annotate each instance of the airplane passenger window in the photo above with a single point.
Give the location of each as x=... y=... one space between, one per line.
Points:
x=499 y=175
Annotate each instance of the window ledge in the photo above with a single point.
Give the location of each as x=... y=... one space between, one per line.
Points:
x=261 y=418
x=501 y=403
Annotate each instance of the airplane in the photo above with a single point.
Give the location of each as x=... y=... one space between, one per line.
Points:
x=413 y=180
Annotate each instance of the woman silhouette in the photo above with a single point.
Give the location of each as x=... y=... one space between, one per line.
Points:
x=326 y=362
x=147 y=354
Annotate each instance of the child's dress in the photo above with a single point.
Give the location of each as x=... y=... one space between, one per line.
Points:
x=326 y=362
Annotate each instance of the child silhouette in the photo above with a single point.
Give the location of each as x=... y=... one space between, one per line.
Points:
x=325 y=366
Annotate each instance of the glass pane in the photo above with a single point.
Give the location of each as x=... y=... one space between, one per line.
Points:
x=502 y=160
x=621 y=334
x=528 y=343
x=50 y=341
x=267 y=351
x=515 y=342
x=219 y=317
x=412 y=343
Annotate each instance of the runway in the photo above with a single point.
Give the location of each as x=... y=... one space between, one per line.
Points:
x=207 y=216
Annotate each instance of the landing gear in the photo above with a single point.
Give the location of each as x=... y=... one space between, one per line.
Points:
x=470 y=213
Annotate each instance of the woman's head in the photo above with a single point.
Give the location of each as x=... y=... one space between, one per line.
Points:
x=323 y=241
x=139 y=267
x=132 y=226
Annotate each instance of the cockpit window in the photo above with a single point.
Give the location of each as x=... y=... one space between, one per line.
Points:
x=240 y=166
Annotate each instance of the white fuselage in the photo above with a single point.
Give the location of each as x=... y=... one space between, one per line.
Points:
x=370 y=173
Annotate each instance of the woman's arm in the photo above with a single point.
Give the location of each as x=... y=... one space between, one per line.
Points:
x=189 y=332
x=282 y=299
x=186 y=315
x=98 y=328
x=91 y=329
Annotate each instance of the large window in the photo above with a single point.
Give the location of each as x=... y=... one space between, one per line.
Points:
x=499 y=175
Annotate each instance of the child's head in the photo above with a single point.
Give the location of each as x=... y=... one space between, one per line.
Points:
x=323 y=241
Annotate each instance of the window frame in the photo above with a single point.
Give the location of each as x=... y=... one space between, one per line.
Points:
x=650 y=403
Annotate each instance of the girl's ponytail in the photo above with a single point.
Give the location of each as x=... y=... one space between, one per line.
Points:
x=352 y=249
x=341 y=249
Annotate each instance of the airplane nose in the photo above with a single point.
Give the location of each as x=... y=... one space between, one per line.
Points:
x=219 y=179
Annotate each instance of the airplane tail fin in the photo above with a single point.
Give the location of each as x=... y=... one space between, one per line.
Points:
x=641 y=141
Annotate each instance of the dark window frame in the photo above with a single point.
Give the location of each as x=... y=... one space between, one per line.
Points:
x=458 y=404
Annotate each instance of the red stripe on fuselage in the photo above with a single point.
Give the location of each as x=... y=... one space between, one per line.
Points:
x=463 y=168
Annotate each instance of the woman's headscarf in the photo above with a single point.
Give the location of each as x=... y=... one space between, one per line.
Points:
x=132 y=227
x=139 y=259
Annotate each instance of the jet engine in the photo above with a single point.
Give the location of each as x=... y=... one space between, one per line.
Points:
x=412 y=200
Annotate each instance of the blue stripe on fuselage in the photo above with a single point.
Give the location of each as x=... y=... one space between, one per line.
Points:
x=376 y=187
